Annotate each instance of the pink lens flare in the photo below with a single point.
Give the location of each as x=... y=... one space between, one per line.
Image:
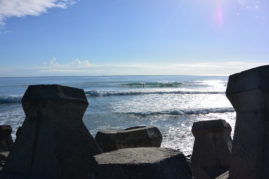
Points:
x=219 y=14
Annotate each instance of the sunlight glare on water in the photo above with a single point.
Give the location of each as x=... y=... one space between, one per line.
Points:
x=171 y=103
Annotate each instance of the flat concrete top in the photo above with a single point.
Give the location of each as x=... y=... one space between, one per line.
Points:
x=255 y=78
x=210 y=126
x=131 y=129
x=37 y=93
x=136 y=155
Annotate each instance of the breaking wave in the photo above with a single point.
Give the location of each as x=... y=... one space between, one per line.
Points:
x=10 y=99
x=94 y=93
x=183 y=112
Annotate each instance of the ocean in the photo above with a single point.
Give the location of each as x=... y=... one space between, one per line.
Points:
x=171 y=103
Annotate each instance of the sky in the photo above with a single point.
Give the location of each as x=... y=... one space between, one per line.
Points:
x=132 y=37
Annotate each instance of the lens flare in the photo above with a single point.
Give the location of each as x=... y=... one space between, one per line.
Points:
x=219 y=14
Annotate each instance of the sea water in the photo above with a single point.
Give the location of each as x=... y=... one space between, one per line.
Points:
x=171 y=103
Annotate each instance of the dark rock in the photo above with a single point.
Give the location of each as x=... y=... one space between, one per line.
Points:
x=53 y=141
x=140 y=136
x=143 y=163
x=3 y=159
x=212 y=148
x=18 y=131
x=248 y=92
x=4 y=175
x=6 y=141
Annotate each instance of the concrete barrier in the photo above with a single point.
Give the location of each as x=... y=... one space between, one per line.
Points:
x=248 y=92
x=212 y=148
x=114 y=139
x=143 y=163
x=53 y=141
x=6 y=141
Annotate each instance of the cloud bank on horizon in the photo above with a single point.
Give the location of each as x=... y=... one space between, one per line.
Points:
x=80 y=67
x=84 y=67
x=21 y=8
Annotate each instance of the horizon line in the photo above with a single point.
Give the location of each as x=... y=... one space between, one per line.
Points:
x=37 y=76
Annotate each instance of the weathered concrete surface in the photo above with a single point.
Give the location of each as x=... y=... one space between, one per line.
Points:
x=248 y=92
x=143 y=163
x=224 y=175
x=212 y=148
x=141 y=136
x=6 y=141
x=53 y=141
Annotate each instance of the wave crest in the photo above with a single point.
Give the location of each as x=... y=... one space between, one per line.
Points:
x=183 y=112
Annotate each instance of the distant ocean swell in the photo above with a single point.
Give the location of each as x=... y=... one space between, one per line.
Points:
x=94 y=93
x=183 y=112
x=152 y=85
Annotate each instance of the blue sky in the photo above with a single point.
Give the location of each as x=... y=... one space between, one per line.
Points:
x=132 y=37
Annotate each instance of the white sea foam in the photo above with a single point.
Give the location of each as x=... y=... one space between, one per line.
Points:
x=184 y=112
x=14 y=117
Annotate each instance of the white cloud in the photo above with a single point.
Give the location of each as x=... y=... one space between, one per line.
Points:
x=21 y=8
x=74 y=66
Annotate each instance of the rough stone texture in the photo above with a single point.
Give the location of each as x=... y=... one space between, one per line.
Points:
x=53 y=141
x=212 y=148
x=248 y=92
x=143 y=163
x=140 y=136
x=6 y=141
